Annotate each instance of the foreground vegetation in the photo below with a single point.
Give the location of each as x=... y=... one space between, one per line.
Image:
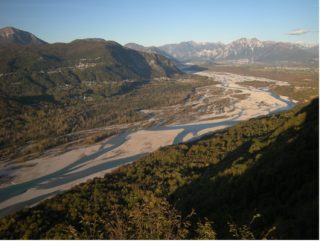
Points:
x=258 y=179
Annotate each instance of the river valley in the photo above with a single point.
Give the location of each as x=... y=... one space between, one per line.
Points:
x=211 y=108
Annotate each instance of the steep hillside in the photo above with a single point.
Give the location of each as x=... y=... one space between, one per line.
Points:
x=43 y=70
x=10 y=35
x=41 y=67
x=258 y=179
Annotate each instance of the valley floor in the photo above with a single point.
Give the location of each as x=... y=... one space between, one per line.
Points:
x=210 y=108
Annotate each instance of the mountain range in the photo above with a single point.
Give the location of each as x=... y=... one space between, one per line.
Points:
x=30 y=66
x=113 y=60
x=243 y=50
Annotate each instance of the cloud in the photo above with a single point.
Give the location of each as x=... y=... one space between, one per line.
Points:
x=298 y=31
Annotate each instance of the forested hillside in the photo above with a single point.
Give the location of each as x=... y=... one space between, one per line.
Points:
x=258 y=179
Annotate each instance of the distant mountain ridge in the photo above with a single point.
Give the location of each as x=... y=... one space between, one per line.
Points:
x=243 y=50
x=151 y=49
x=240 y=51
x=10 y=35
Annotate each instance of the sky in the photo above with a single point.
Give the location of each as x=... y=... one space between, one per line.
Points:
x=158 y=22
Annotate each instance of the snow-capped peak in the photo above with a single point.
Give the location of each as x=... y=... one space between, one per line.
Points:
x=246 y=42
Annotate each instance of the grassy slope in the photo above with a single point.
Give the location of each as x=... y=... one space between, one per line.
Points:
x=258 y=179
